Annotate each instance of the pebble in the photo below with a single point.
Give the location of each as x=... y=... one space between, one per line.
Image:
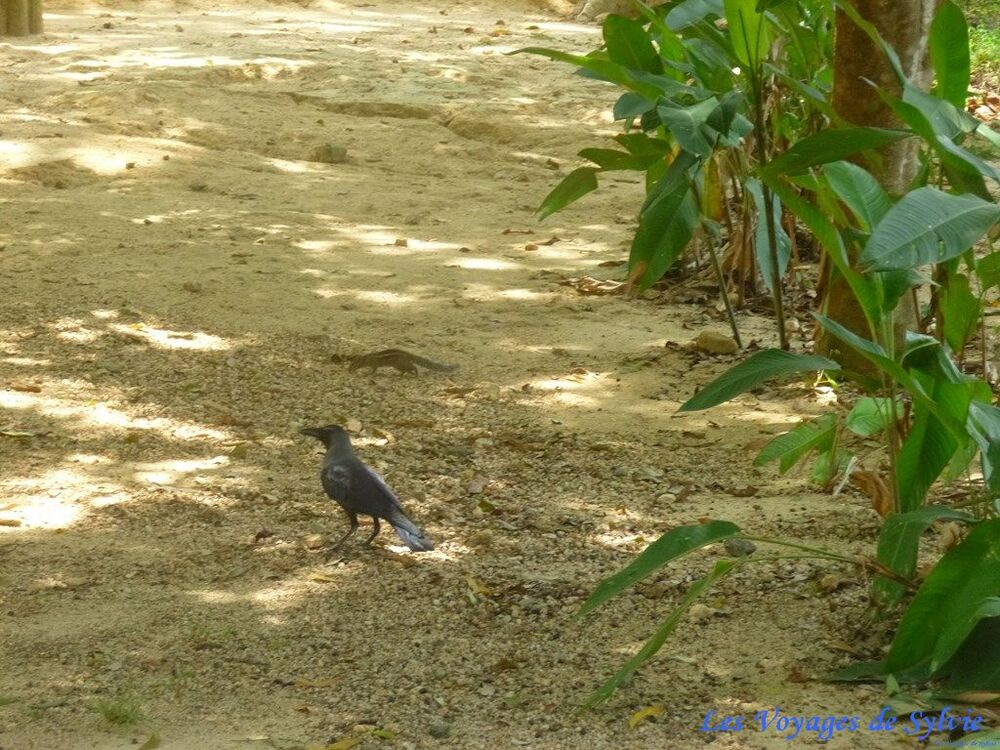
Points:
x=439 y=730
x=329 y=153
x=715 y=343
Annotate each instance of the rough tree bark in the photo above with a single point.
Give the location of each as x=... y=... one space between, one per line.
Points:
x=905 y=24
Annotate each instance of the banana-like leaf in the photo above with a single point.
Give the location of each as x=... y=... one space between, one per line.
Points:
x=899 y=542
x=859 y=191
x=748 y=32
x=574 y=186
x=949 y=42
x=790 y=446
x=770 y=363
x=670 y=546
x=722 y=568
x=927 y=226
x=629 y=45
x=831 y=145
x=950 y=602
x=870 y=416
x=960 y=309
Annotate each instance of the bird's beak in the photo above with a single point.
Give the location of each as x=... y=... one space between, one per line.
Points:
x=311 y=432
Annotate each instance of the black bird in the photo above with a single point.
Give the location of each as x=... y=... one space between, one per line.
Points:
x=359 y=490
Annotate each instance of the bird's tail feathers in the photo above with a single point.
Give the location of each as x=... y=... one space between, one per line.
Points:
x=411 y=534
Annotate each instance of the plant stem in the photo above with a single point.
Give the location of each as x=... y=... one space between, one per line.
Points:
x=760 y=139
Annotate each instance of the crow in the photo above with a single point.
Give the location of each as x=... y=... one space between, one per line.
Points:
x=359 y=490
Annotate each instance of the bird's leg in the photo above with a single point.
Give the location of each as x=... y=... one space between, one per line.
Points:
x=375 y=530
x=354 y=527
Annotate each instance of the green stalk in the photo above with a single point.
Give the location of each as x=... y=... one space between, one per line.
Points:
x=760 y=139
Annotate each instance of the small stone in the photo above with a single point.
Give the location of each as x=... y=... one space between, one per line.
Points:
x=314 y=541
x=792 y=325
x=715 y=343
x=329 y=153
x=439 y=730
x=192 y=286
x=702 y=612
x=740 y=547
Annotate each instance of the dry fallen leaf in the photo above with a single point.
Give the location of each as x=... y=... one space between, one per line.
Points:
x=320 y=578
x=11 y=522
x=649 y=712
x=25 y=387
x=151 y=743
x=591 y=286
x=478 y=587
x=874 y=485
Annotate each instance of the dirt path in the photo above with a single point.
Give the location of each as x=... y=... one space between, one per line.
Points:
x=177 y=272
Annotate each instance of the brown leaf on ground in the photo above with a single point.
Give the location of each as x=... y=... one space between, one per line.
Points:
x=875 y=486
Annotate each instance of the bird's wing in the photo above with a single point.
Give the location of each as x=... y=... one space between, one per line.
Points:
x=336 y=481
x=379 y=482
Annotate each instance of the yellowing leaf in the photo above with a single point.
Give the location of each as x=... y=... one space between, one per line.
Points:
x=648 y=712
x=477 y=587
x=152 y=743
x=320 y=578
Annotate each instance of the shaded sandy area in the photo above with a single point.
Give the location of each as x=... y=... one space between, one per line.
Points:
x=178 y=273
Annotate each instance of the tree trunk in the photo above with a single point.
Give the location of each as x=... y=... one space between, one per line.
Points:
x=35 y=25
x=905 y=25
x=18 y=23
x=20 y=17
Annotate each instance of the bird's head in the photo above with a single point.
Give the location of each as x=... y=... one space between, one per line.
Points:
x=327 y=435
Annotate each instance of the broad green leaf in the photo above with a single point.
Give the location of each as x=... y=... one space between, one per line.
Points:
x=770 y=363
x=929 y=445
x=831 y=145
x=671 y=545
x=643 y=146
x=957 y=158
x=790 y=446
x=949 y=43
x=976 y=665
x=687 y=125
x=631 y=105
x=690 y=12
x=629 y=45
x=984 y=427
x=665 y=229
x=859 y=191
x=609 y=159
x=574 y=186
x=762 y=248
x=666 y=224
x=655 y=643
x=899 y=543
x=829 y=463
x=927 y=226
x=748 y=32
x=671 y=46
x=960 y=309
x=605 y=70
x=869 y=416
x=988 y=270
x=950 y=602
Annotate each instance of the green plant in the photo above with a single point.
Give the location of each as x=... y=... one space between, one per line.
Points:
x=121 y=709
x=933 y=417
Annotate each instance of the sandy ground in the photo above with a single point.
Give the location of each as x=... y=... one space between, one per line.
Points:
x=178 y=274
